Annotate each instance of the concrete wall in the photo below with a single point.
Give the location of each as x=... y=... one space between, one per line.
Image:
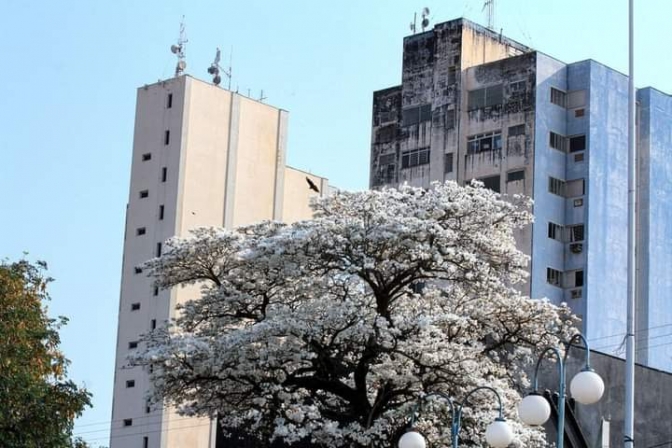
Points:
x=655 y=215
x=224 y=161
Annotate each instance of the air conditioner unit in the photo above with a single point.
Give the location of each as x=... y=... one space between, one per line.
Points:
x=576 y=248
x=577 y=293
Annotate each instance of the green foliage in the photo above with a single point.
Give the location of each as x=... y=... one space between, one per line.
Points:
x=38 y=404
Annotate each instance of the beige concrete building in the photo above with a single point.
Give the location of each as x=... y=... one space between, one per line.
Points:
x=202 y=156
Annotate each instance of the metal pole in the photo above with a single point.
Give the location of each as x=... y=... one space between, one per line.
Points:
x=560 y=439
x=629 y=424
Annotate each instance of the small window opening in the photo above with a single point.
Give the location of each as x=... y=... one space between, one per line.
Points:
x=133 y=344
x=128 y=422
x=147 y=156
x=140 y=231
x=138 y=270
x=144 y=194
x=153 y=324
x=166 y=137
x=578 y=278
x=161 y=210
x=164 y=174
x=135 y=306
x=158 y=249
x=130 y=383
x=156 y=291
x=169 y=101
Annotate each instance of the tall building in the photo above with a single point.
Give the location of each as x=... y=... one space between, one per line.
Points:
x=474 y=104
x=202 y=156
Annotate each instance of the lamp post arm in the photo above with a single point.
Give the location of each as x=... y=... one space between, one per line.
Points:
x=561 y=367
x=417 y=409
x=571 y=344
x=561 y=391
x=466 y=399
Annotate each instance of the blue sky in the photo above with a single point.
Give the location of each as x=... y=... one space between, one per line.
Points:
x=67 y=91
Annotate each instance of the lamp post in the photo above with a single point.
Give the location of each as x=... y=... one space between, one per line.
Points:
x=498 y=433
x=586 y=387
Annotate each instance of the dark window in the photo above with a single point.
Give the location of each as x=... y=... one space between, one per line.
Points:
x=140 y=231
x=133 y=344
x=556 y=186
x=517 y=87
x=491 y=183
x=578 y=278
x=578 y=113
x=135 y=306
x=576 y=233
x=138 y=270
x=557 y=141
x=577 y=143
x=517 y=130
x=450 y=119
x=169 y=101
x=164 y=174
x=153 y=324
x=558 y=97
x=415 y=157
x=485 y=97
x=158 y=249
x=484 y=142
x=554 y=231
x=448 y=162
x=156 y=290
x=128 y=422
x=148 y=409
x=144 y=194
x=554 y=277
x=166 y=138
x=415 y=115
x=161 y=210
x=147 y=156
x=130 y=383
x=513 y=176
x=145 y=442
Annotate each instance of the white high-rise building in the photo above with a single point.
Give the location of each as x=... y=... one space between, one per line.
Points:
x=202 y=156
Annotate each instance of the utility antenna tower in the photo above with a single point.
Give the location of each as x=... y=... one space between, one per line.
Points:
x=489 y=5
x=215 y=68
x=262 y=97
x=179 y=50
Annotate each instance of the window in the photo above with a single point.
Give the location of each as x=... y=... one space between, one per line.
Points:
x=169 y=101
x=513 y=176
x=128 y=422
x=517 y=87
x=579 y=157
x=578 y=278
x=415 y=157
x=577 y=143
x=517 y=130
x=156 y=291
x=554 y=231
x=415 y=115
x=576 y=233
x=135 y=306
x=485 y=97
x=553 y=277
x=144 y=194
x=145 y=442
x=578 y=113
x=578 y=202
x=133 y=344
x=164 y=174
x=140 y=231
x=575 y=188
x=147 y=156
x=161 y=210
x=148 y=408
x=557 y=141
x=450 y=119
x=130 y=383
x=491 y=183
x=448 y=162
x=558 y=97
x=556 y=186
x=484 y=142
x=138 y=270
x=158 y=249
x=166 y=137
x=152 y=324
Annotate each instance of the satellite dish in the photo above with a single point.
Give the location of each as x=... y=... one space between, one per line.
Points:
x=425 y=23
x=175 y=49
x=216 y=80
x=213 y=70
x=425 y=11
x=181 y=65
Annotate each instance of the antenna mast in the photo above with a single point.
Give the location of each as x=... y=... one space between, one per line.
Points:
x=215 y=68
x=179 y=50
x=490 y=6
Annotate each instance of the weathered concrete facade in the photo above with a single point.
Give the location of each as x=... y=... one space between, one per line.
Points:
x=476 y=105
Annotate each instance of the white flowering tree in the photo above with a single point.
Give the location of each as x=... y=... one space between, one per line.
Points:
x=327 y=331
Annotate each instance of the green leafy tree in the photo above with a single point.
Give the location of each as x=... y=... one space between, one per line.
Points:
x=38 y=404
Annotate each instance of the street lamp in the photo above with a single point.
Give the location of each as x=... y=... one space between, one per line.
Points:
x=498 y=433
x=586 y=387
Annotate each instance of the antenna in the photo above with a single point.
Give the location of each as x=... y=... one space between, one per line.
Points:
x=490 y=6
x=179 y=50
x=262 y=97
x=215 y=68
x=412 y=25
x=424 y=23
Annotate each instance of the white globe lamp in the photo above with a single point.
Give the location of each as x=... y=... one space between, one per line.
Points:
x=534 y=410
x=412 y=439
x=587 y=387
x=499 y=434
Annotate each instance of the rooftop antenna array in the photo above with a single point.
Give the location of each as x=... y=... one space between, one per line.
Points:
x=489 y=5
x=215 y=69
x=424 y=20
x=179 y=50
